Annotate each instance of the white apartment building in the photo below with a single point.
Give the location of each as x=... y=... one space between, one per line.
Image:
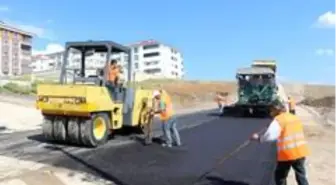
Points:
x=42 y=63
x=157 y=60
x=151 y=59
x=15 y=50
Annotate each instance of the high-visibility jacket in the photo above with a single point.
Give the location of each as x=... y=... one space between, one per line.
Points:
x=291 y=104
x=113 y=73
x=291 y=143
x=220 y=99
x=168 y=112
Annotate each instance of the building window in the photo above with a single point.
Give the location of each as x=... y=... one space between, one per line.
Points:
x=153 y=46
x=154 y=54
x=151 y=63
x=152 y=71
x=25 y=47
x=173 y=51
x=136 y=57
x=136 y=65
x=173 y=58
x=136 y=50
x=126 y=58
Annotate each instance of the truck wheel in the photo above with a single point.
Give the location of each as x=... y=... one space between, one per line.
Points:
x=59 y=127
x=47 y=128
x=95 y=131
x=73 y=131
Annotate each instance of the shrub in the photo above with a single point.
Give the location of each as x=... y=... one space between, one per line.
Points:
x=15 y=88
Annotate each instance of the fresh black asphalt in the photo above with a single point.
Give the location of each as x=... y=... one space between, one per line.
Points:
x=207 y=140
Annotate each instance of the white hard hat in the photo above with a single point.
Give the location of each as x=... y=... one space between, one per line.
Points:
x=156 y=93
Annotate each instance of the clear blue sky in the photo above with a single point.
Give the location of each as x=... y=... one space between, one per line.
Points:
x=215 y=36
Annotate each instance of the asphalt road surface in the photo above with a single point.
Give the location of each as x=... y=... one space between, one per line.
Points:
x=206 y=139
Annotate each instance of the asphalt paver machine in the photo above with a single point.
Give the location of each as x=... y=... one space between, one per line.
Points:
x=256 y=90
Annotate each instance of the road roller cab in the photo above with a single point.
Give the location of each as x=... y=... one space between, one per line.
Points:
x=81 y=109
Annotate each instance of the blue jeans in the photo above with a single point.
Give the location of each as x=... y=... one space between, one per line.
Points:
x=170 y=131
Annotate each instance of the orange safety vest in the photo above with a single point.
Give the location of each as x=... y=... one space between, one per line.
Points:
x=220 y=100
x=165 y=115
x=291 y=143
x=291 y=104
x=113 y=73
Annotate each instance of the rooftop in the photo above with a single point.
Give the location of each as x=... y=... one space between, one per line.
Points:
x=98 y=46
x=6 y=26
x=254 y=71
x=149 y=42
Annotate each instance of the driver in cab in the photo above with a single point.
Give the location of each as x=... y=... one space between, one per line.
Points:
x=113 y=72
x=113 y=76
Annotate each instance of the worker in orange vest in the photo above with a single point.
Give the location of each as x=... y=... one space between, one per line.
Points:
x=165 y=110
x=113 y=78
x=292 y=148
x=291 y=105
x=221 y=99
x=113 y=72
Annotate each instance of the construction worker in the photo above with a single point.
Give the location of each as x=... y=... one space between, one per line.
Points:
x=165 y=110
x=291 y=105
x=113 y=72
x=113 y=78
x=221 y=99
x=292 y=149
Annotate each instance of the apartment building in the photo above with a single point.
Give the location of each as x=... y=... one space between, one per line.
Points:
x=151 y=59
x=15 y=50
x=42 y=63
x=157 y=60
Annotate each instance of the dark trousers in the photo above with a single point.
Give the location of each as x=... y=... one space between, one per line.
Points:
x=283 y=168
x=292 y=111
x=114 y=90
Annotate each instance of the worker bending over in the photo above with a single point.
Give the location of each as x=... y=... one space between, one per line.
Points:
x=165 y=110
x=291 y=105
x=292 y=149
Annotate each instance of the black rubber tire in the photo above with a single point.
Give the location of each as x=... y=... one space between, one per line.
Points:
x=86 y=130
x=59 y=127
x=47 y=128
x=74 y=131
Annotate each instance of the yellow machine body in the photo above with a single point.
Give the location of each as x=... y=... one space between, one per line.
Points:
x=80 y=100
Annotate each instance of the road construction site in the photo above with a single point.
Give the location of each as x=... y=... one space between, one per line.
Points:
x=26 y=158
x=88 y=114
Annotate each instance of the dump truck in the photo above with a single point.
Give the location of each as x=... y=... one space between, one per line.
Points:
x=272 y=65
x=265 y=63
x=256 y=91
x=81 y=108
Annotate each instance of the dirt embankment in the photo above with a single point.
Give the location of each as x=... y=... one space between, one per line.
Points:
x=184 y=93
x=317 y=111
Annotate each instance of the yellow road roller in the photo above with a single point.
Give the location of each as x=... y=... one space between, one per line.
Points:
x=82 y=109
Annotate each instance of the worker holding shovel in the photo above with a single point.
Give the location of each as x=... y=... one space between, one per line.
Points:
x=165 y=110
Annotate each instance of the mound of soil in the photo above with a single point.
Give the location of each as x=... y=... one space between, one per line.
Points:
x=328 y=101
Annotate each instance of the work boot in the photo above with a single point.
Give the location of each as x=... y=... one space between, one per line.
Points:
x=177 y=144
x=166 y=145
x=148 y=142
